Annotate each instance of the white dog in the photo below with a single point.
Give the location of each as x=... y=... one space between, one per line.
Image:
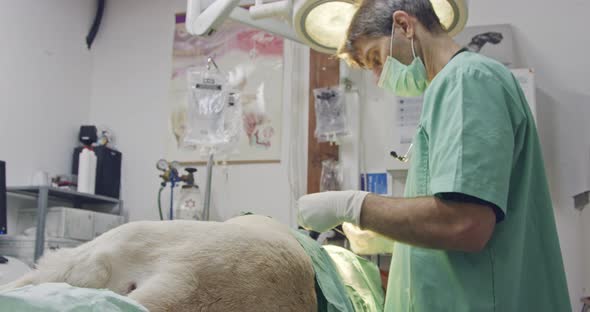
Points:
x=249 y=263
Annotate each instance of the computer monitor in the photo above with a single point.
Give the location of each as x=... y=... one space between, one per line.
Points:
x=3 y=213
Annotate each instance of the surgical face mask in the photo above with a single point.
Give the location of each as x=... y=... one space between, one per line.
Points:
x=403 y=80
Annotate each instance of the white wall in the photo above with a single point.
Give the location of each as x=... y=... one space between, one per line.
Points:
x=556 y=46
x=44 y=83
x=44 y=70
x=132 y=64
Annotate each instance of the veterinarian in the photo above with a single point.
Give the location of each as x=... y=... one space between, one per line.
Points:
x=476 y=230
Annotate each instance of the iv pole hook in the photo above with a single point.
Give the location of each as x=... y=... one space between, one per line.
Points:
x=210 y=61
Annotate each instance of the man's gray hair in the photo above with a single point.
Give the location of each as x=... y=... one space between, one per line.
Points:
x=374 y=19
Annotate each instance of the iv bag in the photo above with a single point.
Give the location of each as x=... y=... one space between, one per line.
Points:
x=232 y=127
x=207 y=99
x=331 y=178
x=330 y=109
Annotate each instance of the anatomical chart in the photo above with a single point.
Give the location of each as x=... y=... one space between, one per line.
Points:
x=249 y=52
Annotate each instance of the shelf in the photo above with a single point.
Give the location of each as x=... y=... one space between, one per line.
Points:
x=63 y=195
x=45 y=193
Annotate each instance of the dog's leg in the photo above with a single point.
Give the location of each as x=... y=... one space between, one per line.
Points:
x=160 y=293
x=28 y=279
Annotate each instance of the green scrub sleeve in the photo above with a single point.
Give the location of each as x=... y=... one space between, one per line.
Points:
x=471 y=139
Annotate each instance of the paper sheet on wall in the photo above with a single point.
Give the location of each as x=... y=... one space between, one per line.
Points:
x=408 y=118
x=258 y=56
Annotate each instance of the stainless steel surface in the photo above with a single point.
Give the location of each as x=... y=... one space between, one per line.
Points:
x=57 y=193
x=42 y=200
x=207 y=204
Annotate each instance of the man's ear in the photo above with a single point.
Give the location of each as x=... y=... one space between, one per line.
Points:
x=405 y=24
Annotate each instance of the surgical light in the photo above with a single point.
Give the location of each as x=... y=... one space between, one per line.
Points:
x=320 y=24
x=452 y=14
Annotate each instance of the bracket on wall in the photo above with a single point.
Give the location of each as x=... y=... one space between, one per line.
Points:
x=96 y=24
x=582 y=200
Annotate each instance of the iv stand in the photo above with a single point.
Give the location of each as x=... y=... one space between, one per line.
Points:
x=210 y=162
x=207 y=203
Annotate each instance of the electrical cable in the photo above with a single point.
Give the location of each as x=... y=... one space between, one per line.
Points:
x=96 y=23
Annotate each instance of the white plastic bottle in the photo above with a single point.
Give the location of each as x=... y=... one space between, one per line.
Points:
x=87 y=171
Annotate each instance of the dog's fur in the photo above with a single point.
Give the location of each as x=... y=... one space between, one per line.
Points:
x=249 y=263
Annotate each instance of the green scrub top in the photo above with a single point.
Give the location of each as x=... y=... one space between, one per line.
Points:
x=477 y=137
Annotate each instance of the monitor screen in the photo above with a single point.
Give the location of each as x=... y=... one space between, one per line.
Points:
x=3 y=204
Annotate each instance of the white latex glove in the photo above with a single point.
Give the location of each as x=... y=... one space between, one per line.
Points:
x=364 y=242
x=321 y=212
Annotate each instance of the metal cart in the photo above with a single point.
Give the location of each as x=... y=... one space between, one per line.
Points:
x=79 y=200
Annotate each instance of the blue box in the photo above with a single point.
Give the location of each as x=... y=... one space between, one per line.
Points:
x=377 y=183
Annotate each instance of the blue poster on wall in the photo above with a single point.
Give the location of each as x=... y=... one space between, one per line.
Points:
x=377 y=183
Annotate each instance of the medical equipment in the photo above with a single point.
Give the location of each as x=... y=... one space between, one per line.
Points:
x=189 y=204
x=232 y=126
x=214 y=121
x=452 y=14
x=321 y=212
x=330 y=110
x=215 y=116
x=3 y=205
x=320 y=24
x=406 y=157
x=331 y=177
x=401 y=79
x=169 y=175
x=208 y=96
